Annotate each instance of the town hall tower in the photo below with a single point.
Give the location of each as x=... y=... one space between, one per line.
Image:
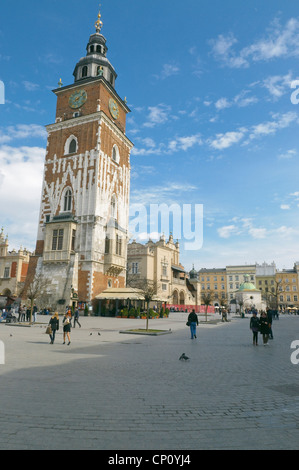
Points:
x=84 y=213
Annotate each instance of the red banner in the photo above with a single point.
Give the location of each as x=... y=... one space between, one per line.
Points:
x=189 y=308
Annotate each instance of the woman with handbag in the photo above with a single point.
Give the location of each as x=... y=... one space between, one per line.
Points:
x=67 y=327
x=265 y=327
x=54 y=326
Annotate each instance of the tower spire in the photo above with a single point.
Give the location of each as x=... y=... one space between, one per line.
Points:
x=99 y=22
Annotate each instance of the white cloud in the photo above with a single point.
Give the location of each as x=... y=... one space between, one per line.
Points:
x=157 y=115
x=21 y=171
x=223 y=141
x=227 y=231
x=280 y=121
x=278 y=85
x=277 y=42
x=21 y=131
x=288 y=154
x=169 y=70
x=29 y=86
x=284 y=207
x=222 y=103
x=176 y=144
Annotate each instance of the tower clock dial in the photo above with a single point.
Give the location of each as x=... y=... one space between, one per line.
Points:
x=113 y=108
x=77 y=99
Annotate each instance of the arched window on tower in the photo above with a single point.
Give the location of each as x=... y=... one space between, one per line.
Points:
x=115 y=154
x=67 y=206
x=73 y=146
x=84 y=71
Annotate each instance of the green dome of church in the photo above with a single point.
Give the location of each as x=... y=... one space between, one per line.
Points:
x=247 y=286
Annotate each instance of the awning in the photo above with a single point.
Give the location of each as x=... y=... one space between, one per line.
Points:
x=121 y=294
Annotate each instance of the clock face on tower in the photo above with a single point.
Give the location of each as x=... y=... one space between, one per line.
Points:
x=113 y=108
x=77 y=99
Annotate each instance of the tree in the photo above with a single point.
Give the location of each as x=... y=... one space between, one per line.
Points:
x=148 y=289
x=207 y=298
x=36 y=289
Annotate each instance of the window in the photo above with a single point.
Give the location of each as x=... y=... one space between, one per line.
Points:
x=164 y=286
x=281 y=298
x=134 y=268
x=295 y=298
x=99 y=49
x=6 y=272
x=67 y=206
x=113 y=207
x=84 y=71
x=73 y=240
x=73 y=146
x=288 y=298
x=115 y=154
x=164 y=271
x=118 y=245
x=107 y=245
x=57 y=240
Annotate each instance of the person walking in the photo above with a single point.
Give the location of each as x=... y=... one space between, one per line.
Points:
x=264 y=325
x=76 y=318
x=193 y=322
x=54 y=324
x=34 y=312
x=255 y=327
x=67 y=327
x=270 y=318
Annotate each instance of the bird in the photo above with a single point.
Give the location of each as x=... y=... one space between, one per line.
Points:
x=99 y=334
x=184 y=357
x=90 y=334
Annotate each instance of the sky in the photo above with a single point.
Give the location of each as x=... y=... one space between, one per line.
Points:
x=211 y=85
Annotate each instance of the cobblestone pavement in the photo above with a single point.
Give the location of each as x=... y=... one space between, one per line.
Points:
x=128 y=392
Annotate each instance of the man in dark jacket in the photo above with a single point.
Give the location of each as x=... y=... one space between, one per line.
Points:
x=193 y=322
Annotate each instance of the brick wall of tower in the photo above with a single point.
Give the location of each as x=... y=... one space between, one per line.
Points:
x=97 y=93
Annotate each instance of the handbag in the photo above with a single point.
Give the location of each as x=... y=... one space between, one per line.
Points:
x=49 y=330
x=188 y=323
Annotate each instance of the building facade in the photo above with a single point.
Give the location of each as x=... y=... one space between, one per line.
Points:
x=84 y=211
x=287 y=288
x=159 y=263
x=214 y=280
x=13 y=268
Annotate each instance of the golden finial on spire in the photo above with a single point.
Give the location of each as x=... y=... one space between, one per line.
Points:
x=99 y=23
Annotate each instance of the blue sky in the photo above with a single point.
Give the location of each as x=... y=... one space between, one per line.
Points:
x=212 y=121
